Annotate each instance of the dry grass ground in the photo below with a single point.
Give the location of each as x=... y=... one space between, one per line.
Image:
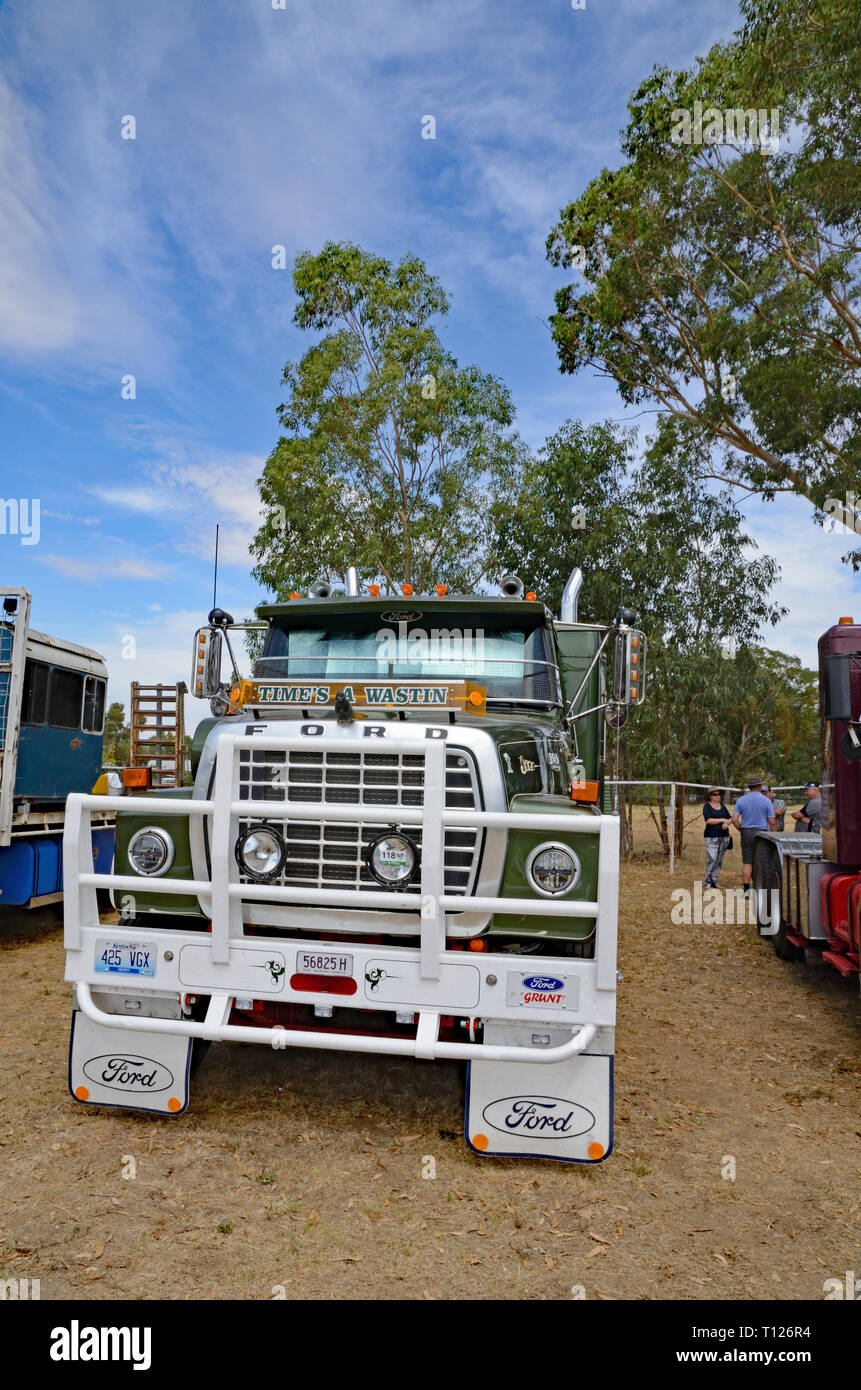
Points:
x=304 y=1170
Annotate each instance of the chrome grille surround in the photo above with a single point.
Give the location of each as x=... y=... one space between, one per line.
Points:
x=331 y=854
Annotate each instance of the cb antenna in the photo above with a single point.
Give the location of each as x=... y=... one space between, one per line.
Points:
x=215 y=575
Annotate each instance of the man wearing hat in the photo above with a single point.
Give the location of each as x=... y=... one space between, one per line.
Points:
x=810 y=815
x=751 y=813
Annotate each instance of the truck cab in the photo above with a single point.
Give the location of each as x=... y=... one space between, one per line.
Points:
x=395 y=843
x=52 y=716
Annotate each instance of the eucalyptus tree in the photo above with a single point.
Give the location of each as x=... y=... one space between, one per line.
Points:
x=392 y=457
x=717 y=268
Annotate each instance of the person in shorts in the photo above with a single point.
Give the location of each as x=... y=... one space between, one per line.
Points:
x=750 y=814
x=717 y=841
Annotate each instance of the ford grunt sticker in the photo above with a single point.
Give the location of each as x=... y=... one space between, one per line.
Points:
x=544 y=983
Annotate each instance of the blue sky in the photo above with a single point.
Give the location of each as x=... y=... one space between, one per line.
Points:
x=151 y=257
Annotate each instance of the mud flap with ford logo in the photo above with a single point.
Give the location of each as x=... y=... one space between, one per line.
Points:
x=561 y=1110
x=107 y=1068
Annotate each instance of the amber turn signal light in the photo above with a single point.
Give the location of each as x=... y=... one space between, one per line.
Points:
x=584 y=791
x=137 y=777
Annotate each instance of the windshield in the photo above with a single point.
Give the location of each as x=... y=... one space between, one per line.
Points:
x=511 y=662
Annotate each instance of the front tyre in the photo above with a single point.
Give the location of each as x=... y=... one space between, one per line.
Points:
x=765 y=857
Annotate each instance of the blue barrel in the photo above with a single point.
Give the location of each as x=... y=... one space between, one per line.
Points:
x=33 y=868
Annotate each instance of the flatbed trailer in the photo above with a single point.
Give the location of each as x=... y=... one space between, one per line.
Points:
x=808 y=886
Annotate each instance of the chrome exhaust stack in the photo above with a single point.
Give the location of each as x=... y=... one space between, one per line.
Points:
x=570 y=594
x=510 y=586
x=352 y=582
x=321 y=588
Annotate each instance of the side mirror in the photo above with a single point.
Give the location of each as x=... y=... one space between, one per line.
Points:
x=629 y=667
x=836 y=687
x=206 y=668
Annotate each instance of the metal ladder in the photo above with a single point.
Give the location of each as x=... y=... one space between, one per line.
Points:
x=157 y=726
x=14 y=626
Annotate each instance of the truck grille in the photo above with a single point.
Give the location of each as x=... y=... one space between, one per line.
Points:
x=331 y=854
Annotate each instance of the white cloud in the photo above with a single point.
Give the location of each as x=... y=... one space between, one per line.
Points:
x=131 y=499
x=100 y=571
x=286 y=127
x=163 y=649
x=191 y=487
x=814 y=584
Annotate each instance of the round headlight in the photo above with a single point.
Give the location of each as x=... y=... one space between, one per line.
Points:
x=151 y=851
x=392 y=859
x=260 y=851
x=553 y=870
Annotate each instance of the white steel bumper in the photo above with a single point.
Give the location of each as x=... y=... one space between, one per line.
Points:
x=425 y=1046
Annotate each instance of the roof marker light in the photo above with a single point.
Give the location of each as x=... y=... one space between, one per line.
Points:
x=530 y=596
x=441 y=590
x=407 y=589
x=374 y=590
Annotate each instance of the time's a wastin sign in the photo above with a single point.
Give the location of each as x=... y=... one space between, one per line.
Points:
x=439 y=695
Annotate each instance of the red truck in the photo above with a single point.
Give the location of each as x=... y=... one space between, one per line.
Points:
x=808 y=886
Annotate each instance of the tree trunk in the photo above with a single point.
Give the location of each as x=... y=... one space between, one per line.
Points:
x=661 y=822
x=626 y=821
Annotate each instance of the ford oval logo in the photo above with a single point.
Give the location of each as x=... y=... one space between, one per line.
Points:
x=547 y=983
x=400 y=615
x=129 y=1072
x=551 y=1117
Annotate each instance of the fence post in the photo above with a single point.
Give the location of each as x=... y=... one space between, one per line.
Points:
x=672 y=827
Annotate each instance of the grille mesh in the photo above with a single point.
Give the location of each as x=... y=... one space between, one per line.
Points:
x=323 y=854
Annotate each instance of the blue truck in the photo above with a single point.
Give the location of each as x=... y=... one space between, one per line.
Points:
x=52 y=719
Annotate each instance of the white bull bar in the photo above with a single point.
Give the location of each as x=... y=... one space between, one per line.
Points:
x=226 y=894
x=425 y=1046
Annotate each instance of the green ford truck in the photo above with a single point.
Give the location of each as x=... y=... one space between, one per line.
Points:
x=395 y=843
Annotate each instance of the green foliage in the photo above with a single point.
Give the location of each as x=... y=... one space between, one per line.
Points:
x=644 y=536
x=571 y=508
x=115 y=748
x=720 y=278
x=393 y=457
x=719 y=704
